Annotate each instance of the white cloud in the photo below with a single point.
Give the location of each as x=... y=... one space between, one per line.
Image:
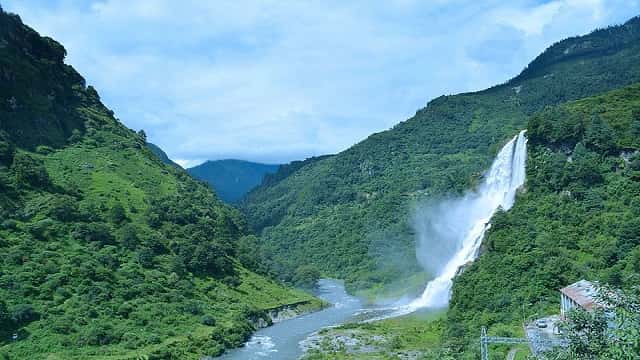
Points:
x=282 y=80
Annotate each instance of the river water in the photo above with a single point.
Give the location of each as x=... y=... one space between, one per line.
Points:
x=281 y=341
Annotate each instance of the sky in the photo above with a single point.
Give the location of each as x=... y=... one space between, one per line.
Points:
x=280 y=80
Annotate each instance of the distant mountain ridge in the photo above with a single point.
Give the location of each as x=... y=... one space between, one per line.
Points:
x=231 y=179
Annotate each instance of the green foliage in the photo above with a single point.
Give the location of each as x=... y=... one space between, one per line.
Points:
x=208 y=320
x=117 y=214
x=23 y=314
x=306 y=276
x=331 y=212
x=5 y=321
x=29 y=170
x=106 y=251
x=576 y=219
x=64 y=208
x=7 y=149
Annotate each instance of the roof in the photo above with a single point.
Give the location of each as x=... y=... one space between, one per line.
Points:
x=583 y=293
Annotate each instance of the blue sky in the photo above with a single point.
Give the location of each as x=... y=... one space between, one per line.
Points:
x=279 y=80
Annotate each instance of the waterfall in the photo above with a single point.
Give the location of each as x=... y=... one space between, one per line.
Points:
x=451 y=232
x=498 y=189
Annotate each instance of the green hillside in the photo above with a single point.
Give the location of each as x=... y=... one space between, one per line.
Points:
x=232 y=179
x=108 y=253
x=161 y=154
x=578 y=218
x=348 y=215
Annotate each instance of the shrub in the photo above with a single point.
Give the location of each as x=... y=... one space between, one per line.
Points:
x=44 y=149
x=64 y=208
x=76 y=136
x=117 y=214
x=6 y=323
x=94 y=232
x=145 y=258
x=43 y=229
x=208 y=320
x=9 y=224
x=23 y=314
x=29 y=170
x=128 y=237
x=99 y=334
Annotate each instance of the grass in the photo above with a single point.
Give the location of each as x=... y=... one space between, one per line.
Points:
x=419 y=334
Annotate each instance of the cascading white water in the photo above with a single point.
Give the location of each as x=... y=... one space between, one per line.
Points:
x=451 y=232
x=506 y=175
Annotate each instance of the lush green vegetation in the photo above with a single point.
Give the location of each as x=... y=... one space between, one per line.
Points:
x=106 y=251
x=347 y=215
x=232 y=179
x=577 y=218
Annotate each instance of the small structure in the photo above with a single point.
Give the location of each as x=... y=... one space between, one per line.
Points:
x=582 y=294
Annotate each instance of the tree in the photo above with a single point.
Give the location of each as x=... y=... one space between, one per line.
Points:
x=29 y=170
x=599 y=136
x=128 y=237
x=142 y=135
x=94 y=232
x=306 y=276
x=117 y=214
x=23 y=314
x=63 y=208
x=6 y=324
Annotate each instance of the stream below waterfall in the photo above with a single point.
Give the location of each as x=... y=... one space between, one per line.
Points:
x=281 y=340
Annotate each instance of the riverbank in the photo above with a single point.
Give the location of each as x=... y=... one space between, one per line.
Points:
x=289 y=311
x=415 y=336
x=281 y=340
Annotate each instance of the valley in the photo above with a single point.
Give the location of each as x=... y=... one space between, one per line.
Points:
x=470 y=216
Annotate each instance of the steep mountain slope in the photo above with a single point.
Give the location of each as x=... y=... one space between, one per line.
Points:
x=349 y=214
x=106 y=251
x=232 y=179
x=578 y=218
x=161 y=154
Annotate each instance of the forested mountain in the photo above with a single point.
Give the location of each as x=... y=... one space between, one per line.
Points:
x=232 y=179
x=577 y=218
x=106 y=251
x=348 y=215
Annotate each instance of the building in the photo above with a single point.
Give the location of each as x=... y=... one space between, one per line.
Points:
x=582 y=294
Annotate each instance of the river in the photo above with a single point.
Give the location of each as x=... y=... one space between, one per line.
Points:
x=281 y=340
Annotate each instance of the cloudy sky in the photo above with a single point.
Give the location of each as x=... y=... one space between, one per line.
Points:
x=274 y=81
